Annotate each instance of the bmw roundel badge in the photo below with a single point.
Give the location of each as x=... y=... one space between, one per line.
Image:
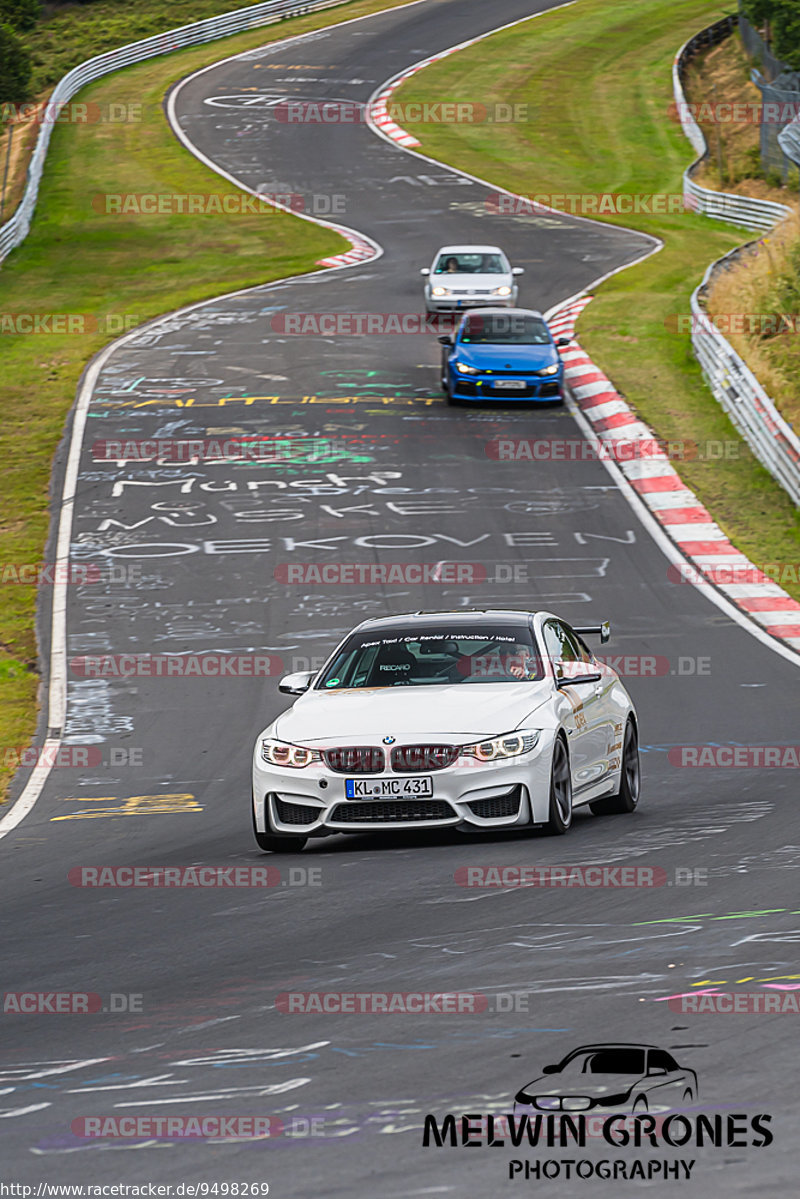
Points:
x=388 y=740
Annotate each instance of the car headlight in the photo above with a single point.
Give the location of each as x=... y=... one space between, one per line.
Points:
x=281 y=753
x=440 y=291
x=510 y=745
x=550 y=370
x=501 y=291
x=463 y=369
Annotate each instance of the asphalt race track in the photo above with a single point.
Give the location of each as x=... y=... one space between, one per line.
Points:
x=194 y=559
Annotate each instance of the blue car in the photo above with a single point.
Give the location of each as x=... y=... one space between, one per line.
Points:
x=502 y=354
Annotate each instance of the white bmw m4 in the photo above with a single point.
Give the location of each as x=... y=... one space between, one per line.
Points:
x=476 y=720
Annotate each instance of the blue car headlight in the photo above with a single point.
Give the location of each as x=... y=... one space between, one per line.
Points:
x=550 y=370
x=463 y=369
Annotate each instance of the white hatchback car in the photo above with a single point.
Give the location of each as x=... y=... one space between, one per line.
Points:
x=477 y=720
x=468 y=277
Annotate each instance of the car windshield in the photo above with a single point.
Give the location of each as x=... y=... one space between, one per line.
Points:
x=610 y=1061
x=471 y=264
x=504 y=328
x=434 y=655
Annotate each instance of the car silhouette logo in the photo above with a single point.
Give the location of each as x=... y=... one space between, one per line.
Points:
x=610 y=1077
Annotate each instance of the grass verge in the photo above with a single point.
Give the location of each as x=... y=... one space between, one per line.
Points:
x=125 y=268
x=67 y=36
x=759 y=294
x=595 y=83
x=760 y=291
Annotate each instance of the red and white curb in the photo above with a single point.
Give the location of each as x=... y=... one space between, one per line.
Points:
x=360 y=252
x=377 y=111
x=710 y=555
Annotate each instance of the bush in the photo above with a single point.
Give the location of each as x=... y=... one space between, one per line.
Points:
x=20 y=14
x=15 y=68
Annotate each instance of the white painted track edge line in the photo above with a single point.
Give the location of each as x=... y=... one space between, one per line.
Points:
x=57 y=676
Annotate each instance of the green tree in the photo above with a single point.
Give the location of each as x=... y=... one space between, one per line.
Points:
x=782 y=18
x=786 y=32
x=758 y=11
x=15 y=68
x=20 y=14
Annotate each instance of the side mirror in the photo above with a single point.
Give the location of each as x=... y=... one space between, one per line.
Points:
x=445 y=340
x=297 y=683
x=425 y=271
x=550 y=1070
x=657 y=1070
x=518 y=270
x=563 y=341
x=575 y=680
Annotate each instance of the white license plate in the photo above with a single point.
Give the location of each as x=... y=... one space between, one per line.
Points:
x=389 y=788
x=509 y=384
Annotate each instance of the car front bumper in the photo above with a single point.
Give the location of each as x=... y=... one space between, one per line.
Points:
x=547 y=389
x=466 y=796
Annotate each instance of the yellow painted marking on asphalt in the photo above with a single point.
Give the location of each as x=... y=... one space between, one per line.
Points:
x=769 y=978
x=168 y=804
x=385 y=401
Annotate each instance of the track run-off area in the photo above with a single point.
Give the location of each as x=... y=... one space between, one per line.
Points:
x=193 y=560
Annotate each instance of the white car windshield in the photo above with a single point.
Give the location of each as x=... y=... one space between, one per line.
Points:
x=471 y=264
x=430 y=656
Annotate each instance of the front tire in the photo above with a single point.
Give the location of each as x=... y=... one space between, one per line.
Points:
x=270 y=842
x=560 y=812
x=627 y=798
x=451 y=399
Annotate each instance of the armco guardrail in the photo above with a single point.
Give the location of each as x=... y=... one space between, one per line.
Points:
x=733 y=384
x=15 y=230
x=721 y=206
x=736 y=388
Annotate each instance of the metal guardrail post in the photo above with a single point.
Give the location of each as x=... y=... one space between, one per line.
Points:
x=734 y=386
x=16 y=229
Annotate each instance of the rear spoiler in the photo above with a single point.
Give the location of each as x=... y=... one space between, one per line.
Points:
x=603 y=631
